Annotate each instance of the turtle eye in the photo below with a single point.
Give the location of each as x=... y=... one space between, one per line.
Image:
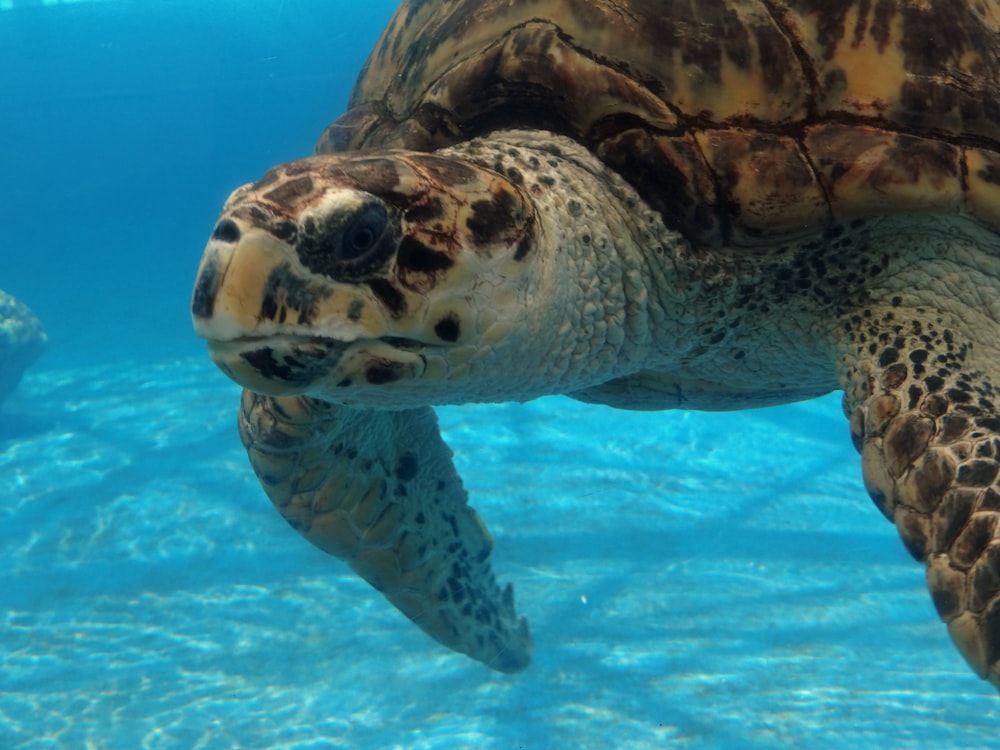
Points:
x=349 y=246
x=362 y=233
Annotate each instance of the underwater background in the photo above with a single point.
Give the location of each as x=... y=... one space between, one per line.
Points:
x=692 y=580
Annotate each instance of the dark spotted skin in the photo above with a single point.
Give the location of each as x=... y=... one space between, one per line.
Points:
x=288 y=299
x=397 y=515
x=928 y=431
x=448 y=328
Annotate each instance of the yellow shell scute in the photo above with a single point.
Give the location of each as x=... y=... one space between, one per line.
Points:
x=768 y=184
x=868 y=171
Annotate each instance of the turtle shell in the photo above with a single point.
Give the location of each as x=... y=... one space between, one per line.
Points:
x=741 y=121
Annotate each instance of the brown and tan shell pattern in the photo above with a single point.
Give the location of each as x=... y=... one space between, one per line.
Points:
x=741 y=121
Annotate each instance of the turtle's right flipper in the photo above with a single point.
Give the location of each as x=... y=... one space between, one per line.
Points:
x=929 y=438
x=378 y=490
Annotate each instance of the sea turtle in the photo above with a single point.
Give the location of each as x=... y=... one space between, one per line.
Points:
x=651 y=204
x=22 y=341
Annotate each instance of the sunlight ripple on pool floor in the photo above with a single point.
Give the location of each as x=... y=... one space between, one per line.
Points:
x=707 y=580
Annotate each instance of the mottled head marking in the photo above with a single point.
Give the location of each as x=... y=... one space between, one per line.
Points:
x=340 y=275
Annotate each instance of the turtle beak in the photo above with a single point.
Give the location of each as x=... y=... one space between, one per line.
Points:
x=228 y=309
x=277 y=331
x=228 y=291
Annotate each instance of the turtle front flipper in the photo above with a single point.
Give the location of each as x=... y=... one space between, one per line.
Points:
x=924 y=409
x=377 y=489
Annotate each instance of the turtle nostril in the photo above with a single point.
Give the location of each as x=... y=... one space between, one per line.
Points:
x=226 y=231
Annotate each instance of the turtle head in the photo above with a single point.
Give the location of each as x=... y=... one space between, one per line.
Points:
x=365 y=279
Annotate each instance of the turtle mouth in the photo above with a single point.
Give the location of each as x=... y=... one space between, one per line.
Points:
x=291 y=364
x=305 y=344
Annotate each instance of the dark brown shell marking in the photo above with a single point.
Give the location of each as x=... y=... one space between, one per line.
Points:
x=739 y=121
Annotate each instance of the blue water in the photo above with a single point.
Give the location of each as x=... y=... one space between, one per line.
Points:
x=693 y=580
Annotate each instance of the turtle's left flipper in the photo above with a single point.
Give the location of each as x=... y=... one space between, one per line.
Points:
x=378 y=490
x=924 y=408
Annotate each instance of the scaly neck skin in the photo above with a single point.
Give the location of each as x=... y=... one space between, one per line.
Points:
x=586 y=309
x=629 y=300
x=616 y=293
x=777 y=322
